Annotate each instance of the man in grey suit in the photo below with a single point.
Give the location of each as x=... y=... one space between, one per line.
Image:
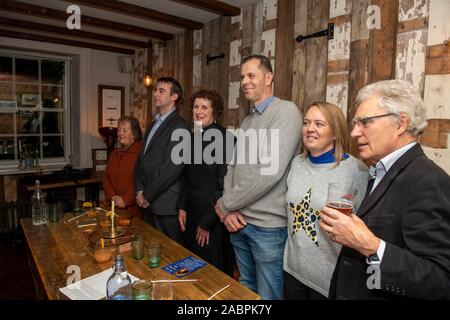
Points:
x=157 y=178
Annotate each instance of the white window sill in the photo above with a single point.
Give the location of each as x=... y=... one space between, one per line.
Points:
x=42 y=168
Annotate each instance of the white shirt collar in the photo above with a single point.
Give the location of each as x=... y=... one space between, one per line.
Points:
x=391 y=158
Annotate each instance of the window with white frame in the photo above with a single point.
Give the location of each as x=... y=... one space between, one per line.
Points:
x=34 y=115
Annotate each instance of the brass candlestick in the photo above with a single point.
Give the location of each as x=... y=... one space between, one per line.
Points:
x=112 y=232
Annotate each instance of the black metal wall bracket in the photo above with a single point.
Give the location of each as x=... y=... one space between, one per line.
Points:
x=212 y=58
x=329 y=32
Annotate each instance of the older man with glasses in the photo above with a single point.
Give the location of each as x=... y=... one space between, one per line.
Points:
x=398 y=242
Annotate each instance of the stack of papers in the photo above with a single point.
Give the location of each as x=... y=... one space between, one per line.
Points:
x=91 y=288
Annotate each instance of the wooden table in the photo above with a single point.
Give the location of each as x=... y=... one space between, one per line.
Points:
x=56 y=246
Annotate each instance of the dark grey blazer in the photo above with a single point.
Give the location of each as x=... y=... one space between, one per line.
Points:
x=155 y=173
x=410 y=210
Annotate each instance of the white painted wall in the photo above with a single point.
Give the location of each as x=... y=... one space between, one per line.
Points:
x=95 y=67
x=105 y=71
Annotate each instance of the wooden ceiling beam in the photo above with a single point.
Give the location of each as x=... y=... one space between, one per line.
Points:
x=74 y=43
x=217 y=7
x=74 y=32
x=141 y=12
x=31 y=9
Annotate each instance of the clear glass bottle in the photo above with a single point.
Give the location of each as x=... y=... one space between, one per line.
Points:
x=118 y=286
x=39 y=208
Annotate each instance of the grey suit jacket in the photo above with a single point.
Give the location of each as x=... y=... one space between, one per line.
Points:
x=155 y=173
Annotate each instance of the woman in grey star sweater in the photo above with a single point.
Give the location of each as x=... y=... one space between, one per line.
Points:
x=310 y=256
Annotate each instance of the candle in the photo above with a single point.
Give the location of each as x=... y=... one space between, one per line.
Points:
x=102 y=242
x=112 y=214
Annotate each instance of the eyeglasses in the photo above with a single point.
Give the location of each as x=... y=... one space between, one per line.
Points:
x=362 y=122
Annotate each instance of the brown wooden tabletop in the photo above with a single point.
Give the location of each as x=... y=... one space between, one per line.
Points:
x=56 y=246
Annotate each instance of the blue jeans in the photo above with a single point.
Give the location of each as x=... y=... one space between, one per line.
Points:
x=259 y=256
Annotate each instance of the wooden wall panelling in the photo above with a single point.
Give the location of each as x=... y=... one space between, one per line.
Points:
x=436 y=135
x=383 y=42
x=437 y=95
x=412 y=42
x=223 y=74
x=359 y=54
x=215 y=75
x=284 y=49
x=299 y=54
x=268 y=42
x=158 y=59
x=268 y=34
x=438 y=59
x=197 y=61
x=316 y=52
x=339 y=54
x=168 y=59
x=149 y=89
x=257 y=24
x=187 y=63
x=211 y=47
x=139 y=93
x=439 y=23
x=233 y=104
x=246 y=49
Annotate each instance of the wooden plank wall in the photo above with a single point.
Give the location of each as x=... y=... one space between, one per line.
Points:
x=412 y=43
x=215 y=75
x=284 y=49
x=437 y=79
x=253 y=32
x=316 y=52
x=339 y=53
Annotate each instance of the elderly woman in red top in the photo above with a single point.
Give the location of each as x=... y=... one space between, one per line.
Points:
x=118 y=179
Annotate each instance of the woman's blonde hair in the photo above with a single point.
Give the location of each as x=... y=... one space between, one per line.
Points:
x=336 y=120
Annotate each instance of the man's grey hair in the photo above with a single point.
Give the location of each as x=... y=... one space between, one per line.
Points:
x=398 y=96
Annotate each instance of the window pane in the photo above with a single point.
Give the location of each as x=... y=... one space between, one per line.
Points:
x=6 y=92
x=52 y=97
x=5 y=69
x=28 y=122
x=53 y=147
x=52 y=71
x=27 y=95
x=27 y=70
x=52 y=122
x=6 y=123
x=29 y=146
x=7 y=149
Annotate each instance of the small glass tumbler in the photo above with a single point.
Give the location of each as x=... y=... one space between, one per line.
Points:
x=55 y=211
x=102 y=254
x=137 y=246
x=162 y=291
x=154 y=252
x=141 y=290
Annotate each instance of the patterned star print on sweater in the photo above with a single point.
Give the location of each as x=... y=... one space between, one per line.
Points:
x=305 y=217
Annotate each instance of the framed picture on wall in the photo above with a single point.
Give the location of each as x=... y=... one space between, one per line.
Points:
x=99 y=159
x=110 y=105
x=30 y=99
